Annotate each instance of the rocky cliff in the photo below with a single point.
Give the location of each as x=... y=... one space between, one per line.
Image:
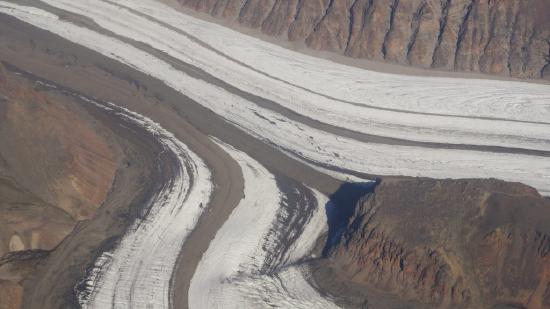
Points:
x=447 y=244
x=504 y=37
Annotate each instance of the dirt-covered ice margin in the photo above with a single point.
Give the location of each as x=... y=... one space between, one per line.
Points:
x=230 y=273
x=136 y=274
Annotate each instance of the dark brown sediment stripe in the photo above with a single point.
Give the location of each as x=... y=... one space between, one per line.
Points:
x=198 y=73
x=138 y=92
x=362 y=105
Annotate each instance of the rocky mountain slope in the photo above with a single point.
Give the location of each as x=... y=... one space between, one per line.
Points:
x=445 y=244
x=56 y=169
x=54 y=149
x=508 y=37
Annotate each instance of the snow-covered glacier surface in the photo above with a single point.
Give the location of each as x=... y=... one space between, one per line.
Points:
x=317 y=111
x=136 y=274
x=236 y=271
x=315 y=144
x=507 y=114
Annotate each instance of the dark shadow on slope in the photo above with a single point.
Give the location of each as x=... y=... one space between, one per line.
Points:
x=341 y=206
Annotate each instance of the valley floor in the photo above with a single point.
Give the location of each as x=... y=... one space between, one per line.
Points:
x=257 y=135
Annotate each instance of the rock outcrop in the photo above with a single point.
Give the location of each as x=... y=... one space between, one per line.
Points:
x=504 y=37
x=448 y=244
x=56 y=169
x=54 y=150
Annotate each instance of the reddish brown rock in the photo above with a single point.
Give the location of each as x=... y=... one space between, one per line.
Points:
x=253 y=13
x=505 y=37
x=308 y=14
x=449 y=243
x=280 y=18
x=56 y=168
x=10 y=295
x=332 y=31
x=53 y=150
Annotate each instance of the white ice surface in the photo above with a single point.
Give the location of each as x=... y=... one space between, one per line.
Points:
x=508 y=100
x=136 y=274
x=301 y=140
x=517 y=101
x=228 y=273
x=471 y=97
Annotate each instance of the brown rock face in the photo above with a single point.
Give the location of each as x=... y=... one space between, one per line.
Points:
x=10 y=295
x=56 y=168
x=28 y=223
x=53 y=150
x=450 y=243
x=504 y=37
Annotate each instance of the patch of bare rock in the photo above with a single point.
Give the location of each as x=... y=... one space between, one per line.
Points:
x=425 y=243
x=56 y=169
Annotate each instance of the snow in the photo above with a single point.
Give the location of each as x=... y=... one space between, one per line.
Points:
x=229 y=276
x=136 y=274
x=297 y=79
x=473 y=97
x=298 y=139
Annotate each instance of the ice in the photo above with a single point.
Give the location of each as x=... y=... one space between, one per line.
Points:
x=229 y=276
x=300 y=140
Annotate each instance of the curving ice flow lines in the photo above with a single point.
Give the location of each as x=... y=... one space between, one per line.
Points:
x=136 y=274
x=523 y=111
x=238 y=269
x=313 y=143
x=428 y=95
